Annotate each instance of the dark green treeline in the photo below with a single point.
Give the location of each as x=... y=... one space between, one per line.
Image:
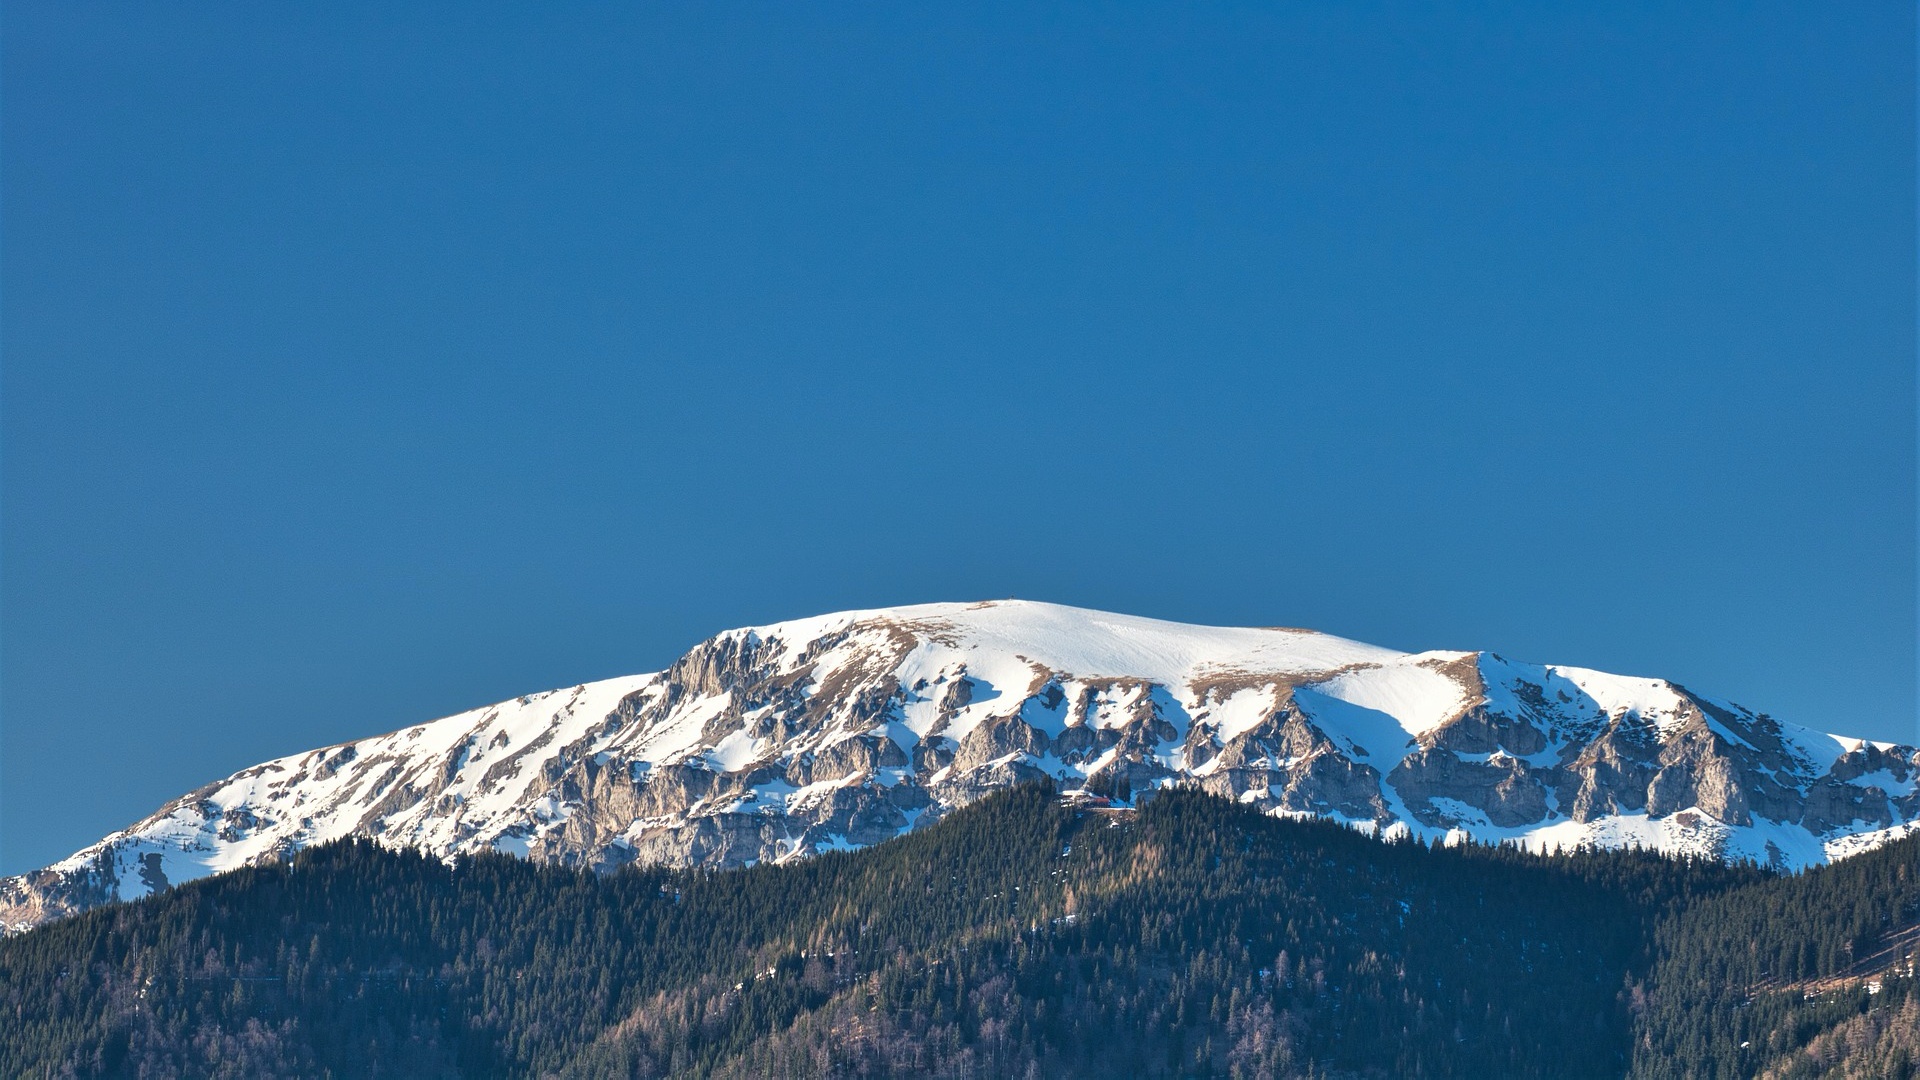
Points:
x=1014 y=938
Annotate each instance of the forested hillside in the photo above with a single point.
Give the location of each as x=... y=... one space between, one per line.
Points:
x=1797 y=976
x=1016 y=937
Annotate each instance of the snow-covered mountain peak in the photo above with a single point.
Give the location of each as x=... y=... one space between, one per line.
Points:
x=774 y=742
x=1083 y=642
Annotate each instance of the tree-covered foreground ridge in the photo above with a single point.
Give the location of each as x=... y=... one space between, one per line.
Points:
x=1023 y=935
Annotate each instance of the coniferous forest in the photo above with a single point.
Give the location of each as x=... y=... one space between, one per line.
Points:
x=1014 y=938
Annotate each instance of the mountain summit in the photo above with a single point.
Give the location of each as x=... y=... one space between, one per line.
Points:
x=776 y=742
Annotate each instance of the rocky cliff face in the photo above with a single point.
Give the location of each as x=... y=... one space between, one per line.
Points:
x=777 y=742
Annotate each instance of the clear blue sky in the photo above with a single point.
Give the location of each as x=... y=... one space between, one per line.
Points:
x=369 y=362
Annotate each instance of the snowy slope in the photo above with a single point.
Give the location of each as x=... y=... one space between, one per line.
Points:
x=779 y=741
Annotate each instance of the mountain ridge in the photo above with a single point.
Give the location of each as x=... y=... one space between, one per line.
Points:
x=774 y=742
